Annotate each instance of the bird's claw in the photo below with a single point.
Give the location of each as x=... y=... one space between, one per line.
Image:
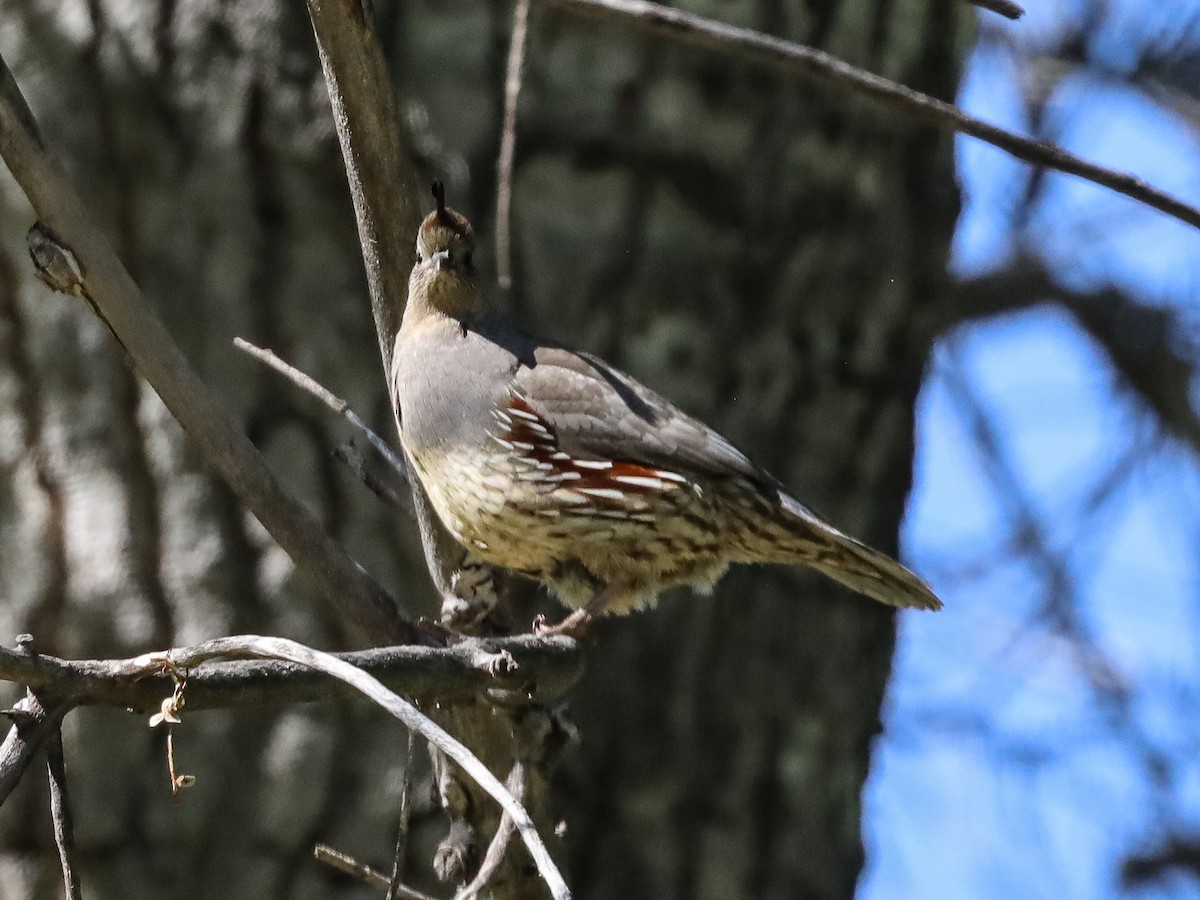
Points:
x=575 y=625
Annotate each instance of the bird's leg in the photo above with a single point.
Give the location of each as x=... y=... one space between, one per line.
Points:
x=576 y=624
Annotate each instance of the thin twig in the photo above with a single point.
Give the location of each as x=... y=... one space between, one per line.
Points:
x=1005 y=8
x=763 y=48
x=178 y=781
x=304 y=381
x=508 y=144
x=343 y=862
x=260 y=647
x=402 y=828
x=101 y=279
x=546 y=666
x=352 y=458
x=499 y=845
x=307 y=383
x=60 y=812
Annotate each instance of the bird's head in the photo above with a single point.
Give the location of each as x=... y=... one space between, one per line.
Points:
x=443 y=278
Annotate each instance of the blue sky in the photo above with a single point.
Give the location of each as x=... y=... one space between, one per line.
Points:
x=1047 y=723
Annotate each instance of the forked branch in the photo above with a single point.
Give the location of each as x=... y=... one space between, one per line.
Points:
x=254 y=646
x=505 y=667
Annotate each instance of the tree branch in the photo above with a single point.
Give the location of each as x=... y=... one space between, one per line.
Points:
x=1176 y=854
x=398 y=494
x=73 y=255
x=326 y=396
x=34 y=723
x=382 y=178
x=280 y=648
x=499 y=845
x=1005 y=8
x=338 y=405
x=1142 y=342
x=761 y=48
x=508 y=144
x=515 y=666
x=335 y=859
x=400 y=851
x=60 y=812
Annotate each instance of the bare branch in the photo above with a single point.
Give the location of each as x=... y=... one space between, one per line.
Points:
x=392 y=494
x=279 y=648
x=337 y=404
x=335 y=859
x=1177 y=854
x=34 y=723
x=105 y=284
x=1005 y=8
x=515 y=665
x=326 y=396
x=1144 y=343
x=60 y=811
x=381 y=176
x=499 y=845
x=401 y=849
x=508 y=144
x=758 y=47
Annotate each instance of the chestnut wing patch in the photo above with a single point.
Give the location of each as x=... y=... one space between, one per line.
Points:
x=604 y=487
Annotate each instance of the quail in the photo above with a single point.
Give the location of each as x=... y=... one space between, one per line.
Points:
x=550 y=462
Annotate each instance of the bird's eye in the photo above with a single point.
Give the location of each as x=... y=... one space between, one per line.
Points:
x=420 y=258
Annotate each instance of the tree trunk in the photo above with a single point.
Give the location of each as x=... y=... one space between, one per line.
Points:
x=768 y=255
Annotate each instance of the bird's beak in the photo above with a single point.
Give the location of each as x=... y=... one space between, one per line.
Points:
x=441 y=261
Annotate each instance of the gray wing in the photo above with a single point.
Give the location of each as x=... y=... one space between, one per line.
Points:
x=598 y=412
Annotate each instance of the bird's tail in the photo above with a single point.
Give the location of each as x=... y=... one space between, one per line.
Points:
x=874 y=574
x=814 y=542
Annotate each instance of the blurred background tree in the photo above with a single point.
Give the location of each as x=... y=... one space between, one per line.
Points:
x=774 y=257
x=1043 y=734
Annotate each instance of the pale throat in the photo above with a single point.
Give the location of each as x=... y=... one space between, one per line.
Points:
x=440 y=294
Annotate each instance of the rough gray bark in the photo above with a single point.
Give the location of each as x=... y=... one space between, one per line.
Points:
x=770 y=256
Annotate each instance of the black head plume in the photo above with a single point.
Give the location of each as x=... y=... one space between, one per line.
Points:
x=445 y=238
x=439 y=194
x=445 y=216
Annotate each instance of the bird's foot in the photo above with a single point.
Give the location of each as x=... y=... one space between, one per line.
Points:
x=575 y=625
